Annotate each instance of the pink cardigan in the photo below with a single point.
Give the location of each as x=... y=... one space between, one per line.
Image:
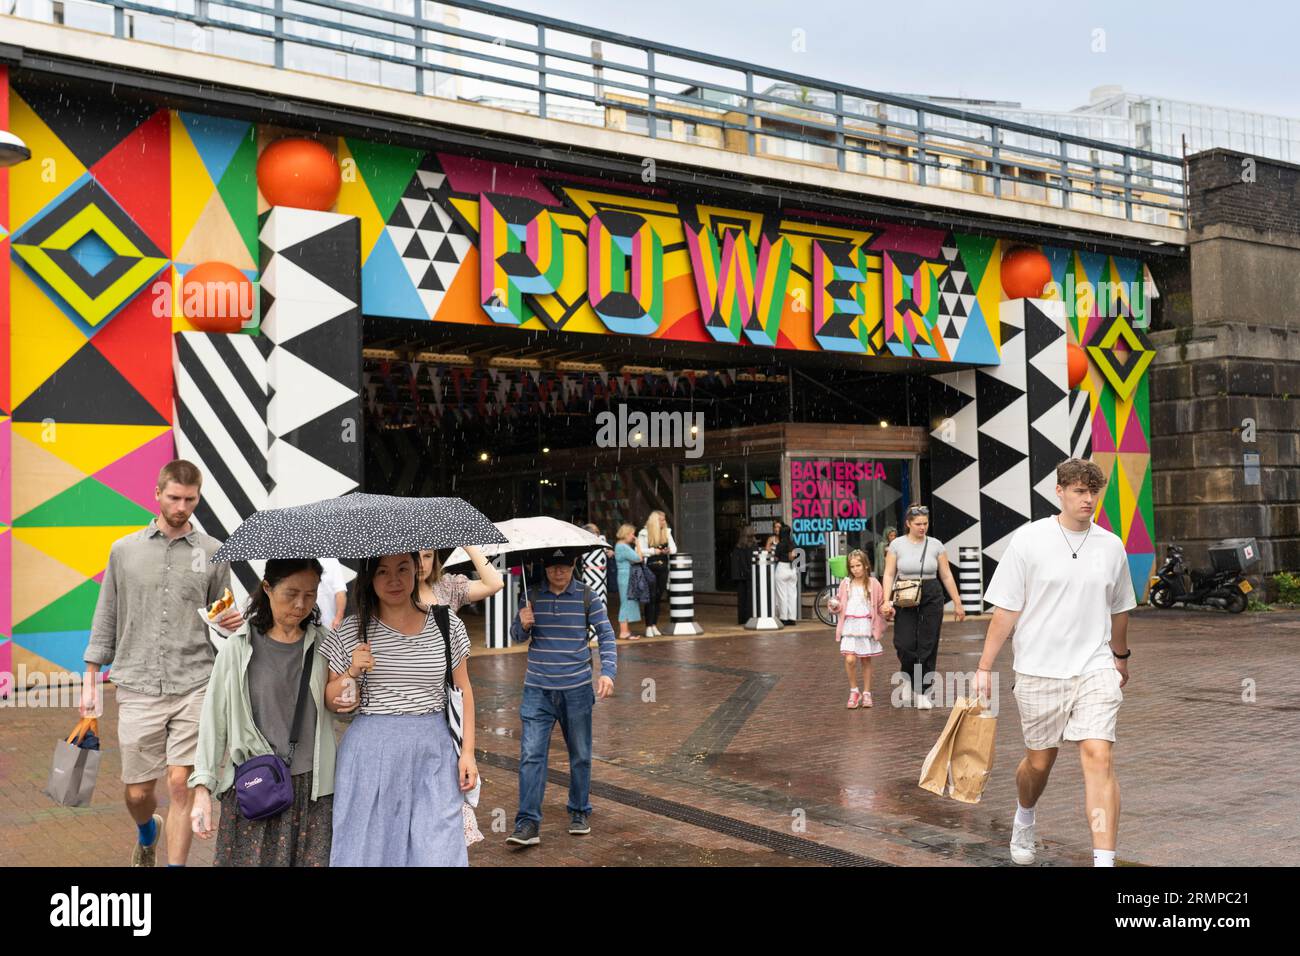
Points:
x=875 y=597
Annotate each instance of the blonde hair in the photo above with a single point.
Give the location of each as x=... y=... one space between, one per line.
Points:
x=656 y=530
x=624 y=530
x=435 y=569
x=866 y=566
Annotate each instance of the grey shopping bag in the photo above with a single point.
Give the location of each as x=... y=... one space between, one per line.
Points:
x=75 y=768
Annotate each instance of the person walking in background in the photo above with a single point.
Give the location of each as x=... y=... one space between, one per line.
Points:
x=146 y=627
x=859 y=603
x=655 y=541
x=787 y=578
x=399 y=786
x=742 y=572
x=457 y=590
x=627 y=552
x=882 y=546
x=558 y=688
x=332 y=593
x=252 y=710
x=916 y=556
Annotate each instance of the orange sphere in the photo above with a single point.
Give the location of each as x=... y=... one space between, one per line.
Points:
x=217 y=297
x=300 y=173
x=1025 y=272
x=1078 y=363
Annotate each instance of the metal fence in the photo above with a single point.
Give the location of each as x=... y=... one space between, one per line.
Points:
x=508 y=59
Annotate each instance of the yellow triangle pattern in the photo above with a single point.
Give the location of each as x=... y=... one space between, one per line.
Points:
x=85 y=550
x=355 y=200
x=41 y=341
x=39 y=579
x=37 y=474
x=52 y=169
x=191 y=189
x=88 y=448
x=216 y=238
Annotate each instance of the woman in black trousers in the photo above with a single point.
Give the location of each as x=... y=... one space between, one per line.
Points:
x=742 y=572
x=916 y=629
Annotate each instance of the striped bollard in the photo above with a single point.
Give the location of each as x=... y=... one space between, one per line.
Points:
x=762 y=594
x=594 y=576
x=681 y=595
x=968 y=579
x=499 y=609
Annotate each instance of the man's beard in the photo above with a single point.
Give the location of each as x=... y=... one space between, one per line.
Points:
x=173 y=522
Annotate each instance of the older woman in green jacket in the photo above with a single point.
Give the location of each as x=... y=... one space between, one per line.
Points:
x=248 y=711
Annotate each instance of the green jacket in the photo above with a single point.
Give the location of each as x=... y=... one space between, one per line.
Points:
x=227 y=721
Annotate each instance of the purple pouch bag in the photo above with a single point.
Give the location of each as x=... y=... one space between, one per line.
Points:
x=263 y=787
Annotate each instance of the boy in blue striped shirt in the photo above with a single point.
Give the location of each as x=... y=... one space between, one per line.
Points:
x=558 y=687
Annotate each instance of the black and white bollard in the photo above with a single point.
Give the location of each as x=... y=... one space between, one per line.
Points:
x=968 y=579
x=593 y=567
x=763 y=594
x=499 y=609
x=681 y=595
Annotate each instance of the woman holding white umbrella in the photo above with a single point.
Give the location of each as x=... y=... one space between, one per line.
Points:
x=454 y=590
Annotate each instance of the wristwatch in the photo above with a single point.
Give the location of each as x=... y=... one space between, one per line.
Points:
x=1123 y=657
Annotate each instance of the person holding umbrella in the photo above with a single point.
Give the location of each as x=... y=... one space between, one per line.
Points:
x=558 y=687
x=253 y=709
x=399 y=786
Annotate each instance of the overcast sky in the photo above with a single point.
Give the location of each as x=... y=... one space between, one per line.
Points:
x=1240 y=55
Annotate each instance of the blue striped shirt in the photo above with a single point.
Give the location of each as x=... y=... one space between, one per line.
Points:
x=559 y=657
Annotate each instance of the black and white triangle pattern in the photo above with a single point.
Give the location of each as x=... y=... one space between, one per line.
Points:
x=1047 y=390
x=954 y=460
x=956 y=296
x=311 y=294
x=431 y=244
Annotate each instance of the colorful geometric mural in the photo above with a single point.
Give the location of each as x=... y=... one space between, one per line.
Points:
x=483 y=243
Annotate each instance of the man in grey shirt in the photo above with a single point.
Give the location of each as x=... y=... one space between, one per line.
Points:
x=147 y=627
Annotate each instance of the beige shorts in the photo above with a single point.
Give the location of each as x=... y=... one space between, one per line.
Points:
x=1053 y=709
x=157 y=732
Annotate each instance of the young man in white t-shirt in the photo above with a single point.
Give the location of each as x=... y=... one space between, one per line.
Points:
x=1063 y=585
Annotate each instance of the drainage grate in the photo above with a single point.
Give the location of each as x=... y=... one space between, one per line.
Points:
x=793 y=846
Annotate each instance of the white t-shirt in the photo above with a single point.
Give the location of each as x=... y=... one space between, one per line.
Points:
x=1065 y=603
x=331 y=583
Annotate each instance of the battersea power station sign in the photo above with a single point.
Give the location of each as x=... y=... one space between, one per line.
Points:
x=826 y=496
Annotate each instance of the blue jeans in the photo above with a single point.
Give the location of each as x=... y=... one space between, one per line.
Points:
x=539 y=711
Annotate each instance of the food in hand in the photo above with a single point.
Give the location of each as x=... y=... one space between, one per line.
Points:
x=221 y=605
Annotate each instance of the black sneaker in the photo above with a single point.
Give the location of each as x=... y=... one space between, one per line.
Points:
x=578 y=825
x=525 y=834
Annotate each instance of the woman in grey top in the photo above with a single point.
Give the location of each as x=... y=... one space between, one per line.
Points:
x=916 y=629
x=247 y=713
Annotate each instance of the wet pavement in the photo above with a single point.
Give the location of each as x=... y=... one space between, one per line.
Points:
x=736 y=749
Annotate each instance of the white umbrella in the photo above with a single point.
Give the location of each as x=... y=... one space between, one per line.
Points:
x=532 y=534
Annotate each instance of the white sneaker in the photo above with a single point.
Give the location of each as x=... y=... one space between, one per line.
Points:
x=907 y=695
x=923 y=702
x=1022 y=843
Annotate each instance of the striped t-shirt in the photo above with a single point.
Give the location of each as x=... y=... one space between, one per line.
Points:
x=410 y=672
x=558 y=656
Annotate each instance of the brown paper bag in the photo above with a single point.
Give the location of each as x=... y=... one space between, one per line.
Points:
x=958 y=765
x=934 y=772
x=972 y=753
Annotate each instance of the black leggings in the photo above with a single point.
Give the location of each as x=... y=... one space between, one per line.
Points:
x=916 y=634
x=658 y=566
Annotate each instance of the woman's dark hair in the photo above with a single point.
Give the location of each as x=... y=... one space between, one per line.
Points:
x=368 y=602
x=277 y=569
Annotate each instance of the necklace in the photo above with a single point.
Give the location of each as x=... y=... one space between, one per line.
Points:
x=1074 y=552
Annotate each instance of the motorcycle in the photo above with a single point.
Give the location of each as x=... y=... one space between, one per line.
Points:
x=1209 y=587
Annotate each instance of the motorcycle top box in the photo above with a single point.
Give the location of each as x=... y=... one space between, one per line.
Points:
x=1234 y=554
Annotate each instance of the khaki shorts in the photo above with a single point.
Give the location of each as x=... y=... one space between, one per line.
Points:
x=1053 y=709
x=157 y=732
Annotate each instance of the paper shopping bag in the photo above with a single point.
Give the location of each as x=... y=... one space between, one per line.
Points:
x=972 y=753
x=934 y=772
x=75 y=768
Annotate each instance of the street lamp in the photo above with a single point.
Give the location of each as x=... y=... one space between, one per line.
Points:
x=12 y=150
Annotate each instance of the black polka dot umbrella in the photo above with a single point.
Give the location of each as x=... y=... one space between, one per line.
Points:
x=359 y=526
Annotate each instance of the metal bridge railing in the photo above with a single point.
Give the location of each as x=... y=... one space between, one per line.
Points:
x=495 y=56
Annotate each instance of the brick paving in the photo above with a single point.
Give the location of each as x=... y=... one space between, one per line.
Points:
x=736 y=749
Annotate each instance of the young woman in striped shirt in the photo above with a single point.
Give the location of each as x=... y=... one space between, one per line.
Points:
x=399 y=786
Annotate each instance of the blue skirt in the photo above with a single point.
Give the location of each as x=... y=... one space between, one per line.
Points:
x=397 y=799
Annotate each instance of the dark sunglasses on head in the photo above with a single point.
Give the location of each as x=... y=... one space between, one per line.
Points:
x=918 y=510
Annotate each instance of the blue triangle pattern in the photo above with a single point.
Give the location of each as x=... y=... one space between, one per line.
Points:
x=216 y=140
x=386 y=288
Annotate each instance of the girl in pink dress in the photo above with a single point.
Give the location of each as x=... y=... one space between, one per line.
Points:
x=860 y=626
